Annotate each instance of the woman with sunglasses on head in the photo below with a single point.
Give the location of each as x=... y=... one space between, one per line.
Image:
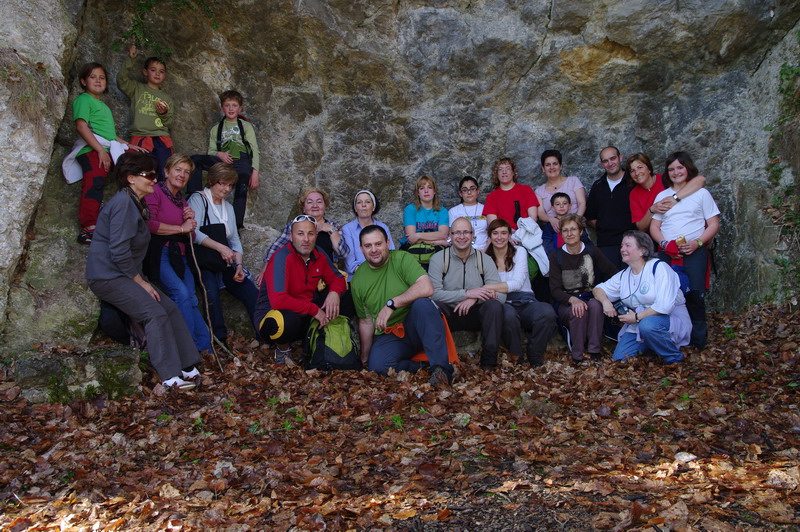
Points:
x=314 y=202
x=114 y=272
x=471 y=209
x=171 y=224
x=211 y=207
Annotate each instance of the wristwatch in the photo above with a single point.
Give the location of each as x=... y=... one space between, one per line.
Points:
x=675 y=197
x=636 y=316
x=699 y=243
x=390 y=304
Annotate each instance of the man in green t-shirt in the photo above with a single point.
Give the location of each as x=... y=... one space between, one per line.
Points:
x=397 y=319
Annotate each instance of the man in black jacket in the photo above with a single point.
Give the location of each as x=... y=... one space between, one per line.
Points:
x=608 y=208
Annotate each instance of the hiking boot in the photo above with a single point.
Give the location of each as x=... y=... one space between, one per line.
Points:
x=596 y=356
x=536 y=359
x=179 y=383
x=85 y=236
x=488 y=360
x=439 y=378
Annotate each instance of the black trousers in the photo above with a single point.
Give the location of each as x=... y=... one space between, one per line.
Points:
x=486 y=317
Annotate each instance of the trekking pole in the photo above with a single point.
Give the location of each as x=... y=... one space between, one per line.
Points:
x=206 y=306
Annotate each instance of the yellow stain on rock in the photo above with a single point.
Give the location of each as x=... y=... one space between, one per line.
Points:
x=583 y=64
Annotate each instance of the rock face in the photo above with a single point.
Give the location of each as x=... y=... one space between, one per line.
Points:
x=365 y=94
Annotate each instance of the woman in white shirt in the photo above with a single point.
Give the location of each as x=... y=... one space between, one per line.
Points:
x=471 y=209
x=521 y=310
x=650 y=303
x=210 y=207
x=684 y=232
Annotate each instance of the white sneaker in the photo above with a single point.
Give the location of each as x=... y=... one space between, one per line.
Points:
x=179 y=383
x=189 y=375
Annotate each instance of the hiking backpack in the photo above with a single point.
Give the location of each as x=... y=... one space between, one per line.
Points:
x=335 y=346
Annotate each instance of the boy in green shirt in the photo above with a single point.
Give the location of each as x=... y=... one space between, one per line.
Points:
x=232 y=141
x=151 y=108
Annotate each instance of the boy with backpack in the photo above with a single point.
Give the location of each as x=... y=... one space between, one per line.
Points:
x=232 y=141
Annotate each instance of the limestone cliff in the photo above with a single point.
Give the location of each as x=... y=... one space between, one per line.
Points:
x=354 y=94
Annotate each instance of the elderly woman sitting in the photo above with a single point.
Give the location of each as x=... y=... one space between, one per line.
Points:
x=650 y=303
x=114 y=273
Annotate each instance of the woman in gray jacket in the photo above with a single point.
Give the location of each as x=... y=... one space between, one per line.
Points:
x=114 y=273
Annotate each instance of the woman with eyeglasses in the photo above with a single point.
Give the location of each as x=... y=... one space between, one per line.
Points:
x=576 y=268
x=314 y=202
x=211 y=207
x=471 y=209
x=171 y=224
x=114 y=272
x=365 y=207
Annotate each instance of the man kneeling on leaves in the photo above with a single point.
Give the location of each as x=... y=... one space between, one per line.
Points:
x=300 y=282
x=396 y=317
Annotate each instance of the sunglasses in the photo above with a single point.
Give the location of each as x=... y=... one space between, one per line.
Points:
x=151 y=175
x=305 y=218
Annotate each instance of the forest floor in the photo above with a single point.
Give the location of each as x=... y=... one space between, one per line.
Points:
x=709 y=444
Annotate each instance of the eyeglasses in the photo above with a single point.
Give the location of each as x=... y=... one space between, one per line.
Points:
x=460 y=233
x=151 y=175
x=467 y=190
x=569 y=229
x=305 y=218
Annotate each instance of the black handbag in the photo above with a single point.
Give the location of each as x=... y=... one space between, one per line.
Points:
x=209 y=259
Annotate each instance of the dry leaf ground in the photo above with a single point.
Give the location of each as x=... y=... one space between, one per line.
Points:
x=710 y=444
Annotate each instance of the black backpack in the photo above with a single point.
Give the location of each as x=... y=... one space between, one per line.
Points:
x=335 y=346
x=241 y=132
x=119 y=327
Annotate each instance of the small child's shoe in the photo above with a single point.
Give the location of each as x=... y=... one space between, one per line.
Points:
x=85 y=236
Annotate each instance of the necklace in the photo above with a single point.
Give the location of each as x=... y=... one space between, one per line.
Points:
x=557 y=185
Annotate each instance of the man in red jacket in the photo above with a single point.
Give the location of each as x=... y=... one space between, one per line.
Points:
x=300 y=282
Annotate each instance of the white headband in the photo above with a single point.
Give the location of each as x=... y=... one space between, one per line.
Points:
x=371 y=195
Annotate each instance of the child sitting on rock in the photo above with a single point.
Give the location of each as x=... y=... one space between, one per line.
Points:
x=231 y=141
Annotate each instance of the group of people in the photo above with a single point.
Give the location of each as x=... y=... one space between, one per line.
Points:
x=479 y=264
x=522 y=261
x=149 y=232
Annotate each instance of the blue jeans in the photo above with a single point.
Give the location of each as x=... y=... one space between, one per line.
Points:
x=181 y=291
x=246 y=292
x=654 y=332
x=424 y=330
